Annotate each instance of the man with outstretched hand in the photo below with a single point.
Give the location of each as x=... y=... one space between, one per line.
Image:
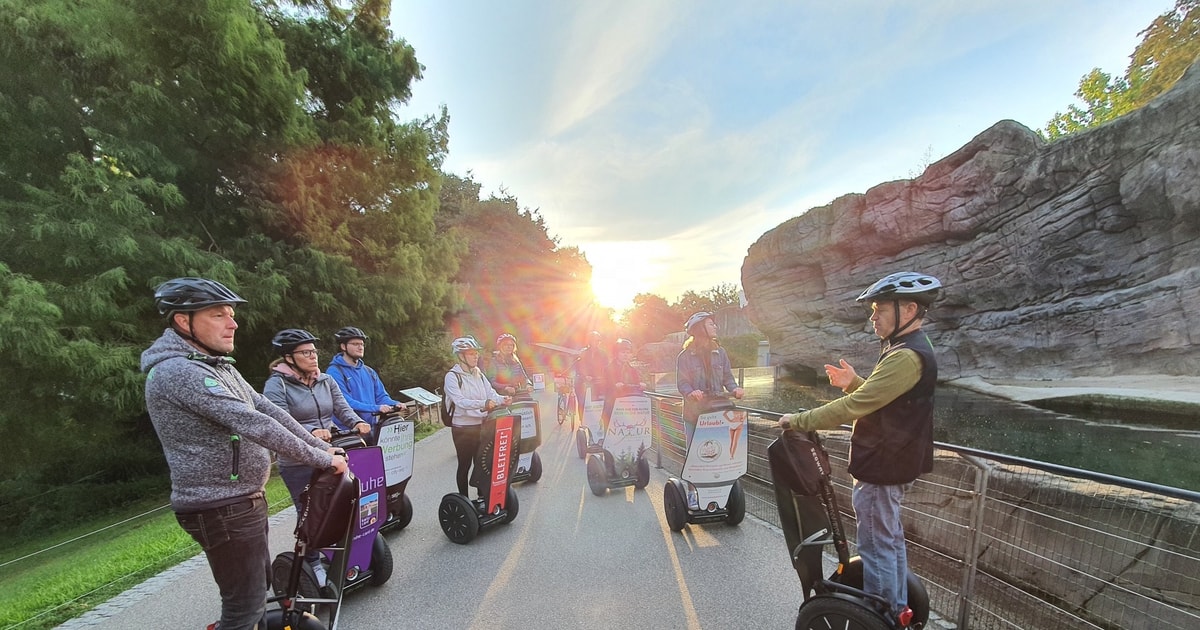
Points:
x=217 y=434
x=892 y=441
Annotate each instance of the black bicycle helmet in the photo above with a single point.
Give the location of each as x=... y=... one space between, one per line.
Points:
x=904 y=285
x=350 y=332
x=188 y=295
x=286 y=341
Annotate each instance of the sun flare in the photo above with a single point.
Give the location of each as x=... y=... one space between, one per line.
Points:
x=622 y=270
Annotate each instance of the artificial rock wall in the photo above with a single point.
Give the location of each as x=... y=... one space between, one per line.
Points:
x=1079 y=257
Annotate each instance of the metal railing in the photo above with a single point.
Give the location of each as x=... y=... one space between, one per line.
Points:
x=1003 y=542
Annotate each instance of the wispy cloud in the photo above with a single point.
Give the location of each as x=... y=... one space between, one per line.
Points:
x=609 y=45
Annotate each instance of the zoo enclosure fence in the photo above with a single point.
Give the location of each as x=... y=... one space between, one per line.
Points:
x=1003 y=542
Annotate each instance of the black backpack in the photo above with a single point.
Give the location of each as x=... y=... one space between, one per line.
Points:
x=447 y=407
x=327 y=507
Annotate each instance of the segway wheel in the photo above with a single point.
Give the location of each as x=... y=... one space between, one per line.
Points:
x=381 y=562
x=822 y=613
x=674 y=506
x=596 y=476
x=735 y=509
x=511 y=505
x=581 y=442
x=400 y=509
x=918 y=597
x=535 y=467
x=281 y=569
x=643 y=474
x=459 y=519
x=295 y=619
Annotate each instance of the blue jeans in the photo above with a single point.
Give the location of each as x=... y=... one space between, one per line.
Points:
x=234 y=538
x=881 y=541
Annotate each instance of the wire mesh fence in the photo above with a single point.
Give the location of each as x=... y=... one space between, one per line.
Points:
x=1002 y=542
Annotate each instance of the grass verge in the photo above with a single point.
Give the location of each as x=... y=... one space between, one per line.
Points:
x=46 y=582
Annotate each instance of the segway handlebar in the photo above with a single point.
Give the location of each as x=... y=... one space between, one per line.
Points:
x=403 y=410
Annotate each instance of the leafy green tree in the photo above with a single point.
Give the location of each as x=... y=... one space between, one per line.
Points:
x=710 y=300
x=256 y=144
x=650 y=319
x=1169 y=46
x=516 y=278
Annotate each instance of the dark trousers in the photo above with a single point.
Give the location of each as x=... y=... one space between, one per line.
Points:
x=466 y=444
x=234 y=538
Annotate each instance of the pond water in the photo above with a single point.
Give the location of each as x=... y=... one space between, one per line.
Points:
x=1159 y=450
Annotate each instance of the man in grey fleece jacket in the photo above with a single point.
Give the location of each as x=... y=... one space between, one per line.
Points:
x=217 y=434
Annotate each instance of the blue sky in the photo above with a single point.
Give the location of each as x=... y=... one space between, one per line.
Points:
x=664 y=137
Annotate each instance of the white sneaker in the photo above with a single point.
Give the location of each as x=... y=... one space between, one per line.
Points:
x=318 y=568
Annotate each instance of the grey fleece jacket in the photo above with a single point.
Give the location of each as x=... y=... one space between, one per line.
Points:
x=313 y=407
x=216 y=431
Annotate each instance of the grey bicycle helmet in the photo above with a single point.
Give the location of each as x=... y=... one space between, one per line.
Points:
x=504 y=336
x=188 y=295
x=286 y=341
x=349 y=332
x=695 y=320
x=623 y=344
x=462 y=344
x=904 y=285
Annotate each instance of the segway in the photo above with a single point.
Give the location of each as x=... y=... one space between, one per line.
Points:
x=395 y=436
x=810 y=519
x=461 y=517
x=529 y=463
x=620 y=459
x=327 y=507
x=709 y=490
x=364 y=556
x=590 y=429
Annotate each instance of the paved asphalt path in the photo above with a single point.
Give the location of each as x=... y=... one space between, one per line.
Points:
x=569 y=560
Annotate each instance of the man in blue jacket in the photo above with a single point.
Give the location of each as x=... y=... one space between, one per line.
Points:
x=359 y=383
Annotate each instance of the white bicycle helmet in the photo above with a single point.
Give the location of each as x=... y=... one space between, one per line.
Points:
x=906 y=285
x=462 y=344
x=695 y=320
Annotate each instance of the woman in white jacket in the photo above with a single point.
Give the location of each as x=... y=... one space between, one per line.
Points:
x=473 y=397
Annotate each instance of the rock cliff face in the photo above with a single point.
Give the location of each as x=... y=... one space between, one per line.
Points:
x=1075 y=258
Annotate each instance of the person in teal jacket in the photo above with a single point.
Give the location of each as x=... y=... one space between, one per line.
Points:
x=359 y=382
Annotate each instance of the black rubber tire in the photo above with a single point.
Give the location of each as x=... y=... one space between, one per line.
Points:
x=279 y=618
x=918 y=597
x=821 y=613
x=281 y=569
x=735 y=507
x=400 y=511
x=562 y=409
x=643 y=474
x=381 y=562
x=511 y=505
x=675 y=507
x=581 y=442
x=459 y=520
x=596 y=476
x=535 y=467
